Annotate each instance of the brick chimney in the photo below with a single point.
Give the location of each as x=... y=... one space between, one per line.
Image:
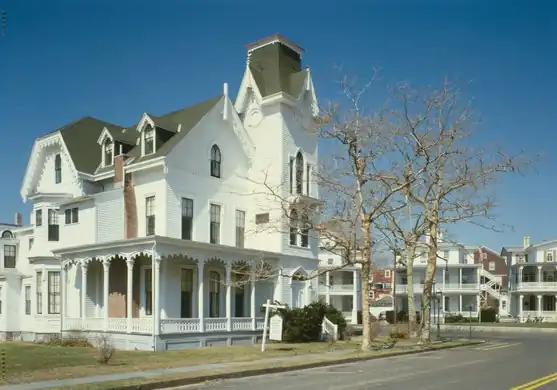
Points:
x=119 y=168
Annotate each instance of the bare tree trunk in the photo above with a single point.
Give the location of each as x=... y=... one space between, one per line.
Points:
x=367 y=334
x=429 y=276
x=410 y=254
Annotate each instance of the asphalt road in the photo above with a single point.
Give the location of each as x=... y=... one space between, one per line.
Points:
x=506 y=362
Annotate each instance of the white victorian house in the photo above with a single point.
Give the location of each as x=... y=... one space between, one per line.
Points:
x=163 y=234
x=460 y=282
x=533 y=280
x=340 y=284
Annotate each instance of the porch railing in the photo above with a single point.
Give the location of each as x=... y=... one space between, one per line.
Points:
x=167 y=325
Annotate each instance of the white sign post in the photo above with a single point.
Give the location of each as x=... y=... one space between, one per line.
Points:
x=275 y=324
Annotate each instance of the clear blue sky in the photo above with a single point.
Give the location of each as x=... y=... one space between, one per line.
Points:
x=114 y=60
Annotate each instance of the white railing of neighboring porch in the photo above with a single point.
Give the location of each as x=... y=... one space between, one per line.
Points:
x=329 y=328
x=168 y=325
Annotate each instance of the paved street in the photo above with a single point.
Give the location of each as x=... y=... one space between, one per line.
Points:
x=506 y=362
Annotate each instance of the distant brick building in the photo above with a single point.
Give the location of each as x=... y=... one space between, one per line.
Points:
x=496 y=265
x=381 y=284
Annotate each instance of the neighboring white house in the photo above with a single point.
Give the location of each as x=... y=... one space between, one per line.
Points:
x=533 y=280
x=160 y=226
x=457 y=281
x=340 y=284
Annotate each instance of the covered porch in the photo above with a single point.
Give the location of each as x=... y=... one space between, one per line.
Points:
x=163 y=286
x=537 y=307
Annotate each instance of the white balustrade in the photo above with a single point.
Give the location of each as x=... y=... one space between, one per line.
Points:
x=93 y=323
x=142 y=325
x=118 y=324
x=179 y=325
x=241 y=323
x=259 y=323
x=215 y=324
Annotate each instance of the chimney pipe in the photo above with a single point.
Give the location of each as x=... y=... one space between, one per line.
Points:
x=225 y=108
x=18 y=219
x=526 y=242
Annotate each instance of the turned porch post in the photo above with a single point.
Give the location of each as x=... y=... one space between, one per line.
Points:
x=84 y=266
x=156 y=294
x=129 y=294
x=200 y=295
x=106 y=291
x=228 y=268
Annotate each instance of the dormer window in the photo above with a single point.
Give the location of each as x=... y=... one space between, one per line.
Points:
x=215 y=161
x=108 y=152
x=148 y=140
x=549 y=257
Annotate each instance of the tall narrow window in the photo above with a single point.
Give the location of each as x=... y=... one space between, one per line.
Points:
x=58 y=169
x=186 y=293
x=291 y=175
x=27 y=300
x=150 y=216
x=187 y=218
x=148 y=289
x=308 y=177
x=240 y=228
x=149 y=140
x=31 y=241
x=215 y=161
x=54 y=292
x=9 y=256
x=214 y=294
x=214 y=229
x=108 y=152
x=304 y=231
x=299 y=173
x=39 y=292
x=293 y=227
x=53 y=228
x=38 y=217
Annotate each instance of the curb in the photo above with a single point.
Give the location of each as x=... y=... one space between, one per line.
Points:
x=276 y=370
x=499 y=329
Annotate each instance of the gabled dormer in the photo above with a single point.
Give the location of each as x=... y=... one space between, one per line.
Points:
x=155 y=132
x=115 y=141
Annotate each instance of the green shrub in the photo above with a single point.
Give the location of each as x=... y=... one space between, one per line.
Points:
x=72 y=339
x=304 y=324
x=488 y=314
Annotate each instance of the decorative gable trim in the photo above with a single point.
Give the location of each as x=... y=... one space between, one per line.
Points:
x=248 y=83
x=145 y=119
x=37 y=157
x=104 y=135
x=240 y=130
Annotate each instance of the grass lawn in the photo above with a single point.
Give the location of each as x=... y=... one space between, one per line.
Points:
x=28 y=362
x=198 y=374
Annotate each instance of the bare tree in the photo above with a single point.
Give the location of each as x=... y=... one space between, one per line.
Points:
x=452 y=177
x=356 y=184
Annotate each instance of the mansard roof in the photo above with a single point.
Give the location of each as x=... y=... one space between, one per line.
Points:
x=82 y=135
x=276 y=66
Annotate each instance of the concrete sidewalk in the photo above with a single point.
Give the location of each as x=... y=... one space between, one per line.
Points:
x=158 y=372
x=502 y=329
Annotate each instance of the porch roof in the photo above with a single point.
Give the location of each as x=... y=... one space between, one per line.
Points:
x=144 y=243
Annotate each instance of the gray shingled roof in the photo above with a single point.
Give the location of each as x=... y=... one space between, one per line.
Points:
x=81 y=136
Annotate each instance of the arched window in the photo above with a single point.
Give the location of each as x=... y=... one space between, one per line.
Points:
x=214 y=294
x=7 y=234
x=108 y=152
x=299 y=172
x=304 y=231
x=215 y=161
x=293 y=227
x=58 y=169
